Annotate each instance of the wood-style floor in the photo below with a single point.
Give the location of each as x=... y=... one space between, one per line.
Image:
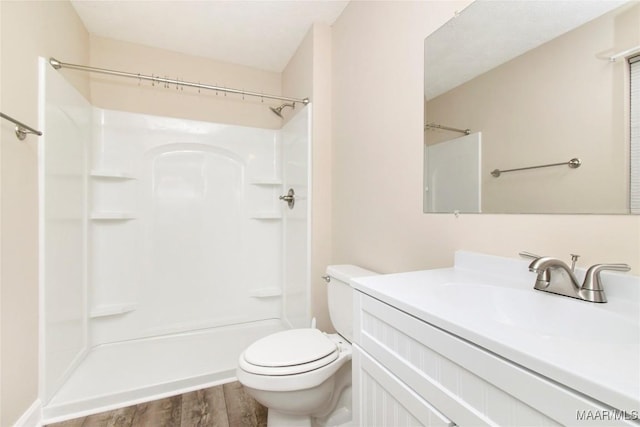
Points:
x=226 y=405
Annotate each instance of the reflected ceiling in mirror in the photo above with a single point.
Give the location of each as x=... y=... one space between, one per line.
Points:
x=532 y=84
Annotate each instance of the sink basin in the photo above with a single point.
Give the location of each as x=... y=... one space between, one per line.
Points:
x=543 y=314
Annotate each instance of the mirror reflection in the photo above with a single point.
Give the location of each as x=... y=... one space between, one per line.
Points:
x=528 y=90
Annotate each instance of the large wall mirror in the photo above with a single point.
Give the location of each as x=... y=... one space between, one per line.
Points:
x=522 y=85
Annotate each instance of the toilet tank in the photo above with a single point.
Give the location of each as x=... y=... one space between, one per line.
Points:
x=340 y=296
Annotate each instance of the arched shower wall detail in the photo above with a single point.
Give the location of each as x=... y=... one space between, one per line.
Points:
x=199 y=255
x=187 y=254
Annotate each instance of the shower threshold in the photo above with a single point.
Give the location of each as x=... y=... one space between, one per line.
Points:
x=131 y=372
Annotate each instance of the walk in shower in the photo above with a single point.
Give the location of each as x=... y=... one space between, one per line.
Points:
x=165 y=248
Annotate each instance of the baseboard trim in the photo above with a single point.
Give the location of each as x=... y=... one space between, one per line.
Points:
x=32 y=417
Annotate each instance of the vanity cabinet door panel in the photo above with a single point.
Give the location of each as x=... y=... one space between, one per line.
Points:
x=464 y=382
x=387 y=402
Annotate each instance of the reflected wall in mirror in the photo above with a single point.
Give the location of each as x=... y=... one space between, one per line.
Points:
x=535 y=82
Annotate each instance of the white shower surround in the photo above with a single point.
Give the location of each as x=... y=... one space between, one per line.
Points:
x=194 y=240
x=162 y=236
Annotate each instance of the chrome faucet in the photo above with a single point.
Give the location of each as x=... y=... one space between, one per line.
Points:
x=563 y=281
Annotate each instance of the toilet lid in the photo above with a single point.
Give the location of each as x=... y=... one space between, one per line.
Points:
x=290 y=349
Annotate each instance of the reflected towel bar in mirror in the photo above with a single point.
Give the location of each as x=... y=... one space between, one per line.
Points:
x=573 y=164
x=437 y=126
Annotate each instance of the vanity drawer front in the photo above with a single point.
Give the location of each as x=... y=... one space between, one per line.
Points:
x=468 y=384
x=387 y=402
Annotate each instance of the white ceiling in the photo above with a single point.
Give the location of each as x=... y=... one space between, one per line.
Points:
x=263 y=34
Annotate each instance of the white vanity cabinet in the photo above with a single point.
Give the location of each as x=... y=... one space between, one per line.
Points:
x=408 y=373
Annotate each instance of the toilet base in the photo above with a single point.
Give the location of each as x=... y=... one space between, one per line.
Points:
x=339 y=417
x=278 y=419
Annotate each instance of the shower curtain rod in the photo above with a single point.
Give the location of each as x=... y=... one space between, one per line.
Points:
x=58 y=64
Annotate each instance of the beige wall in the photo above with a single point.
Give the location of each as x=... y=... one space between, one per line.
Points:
x=377 y=161
x=28 y=29
x=553 y=103
x=129 y=95
x=370 y=200
x=308 y=74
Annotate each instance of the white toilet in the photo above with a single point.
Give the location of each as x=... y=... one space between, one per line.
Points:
x=304 y=375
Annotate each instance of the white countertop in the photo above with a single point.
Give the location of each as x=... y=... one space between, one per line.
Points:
x=490 y=301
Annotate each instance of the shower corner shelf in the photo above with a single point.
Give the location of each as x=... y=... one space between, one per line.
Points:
x=266 y=215
x=266 y=181
x=112 y=310
x=265 y=292
x=110 y=174
x=112 y=216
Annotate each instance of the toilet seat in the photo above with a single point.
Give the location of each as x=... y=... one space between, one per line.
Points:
x=290 y=352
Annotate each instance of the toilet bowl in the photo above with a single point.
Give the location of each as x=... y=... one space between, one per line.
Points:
x=304 y=374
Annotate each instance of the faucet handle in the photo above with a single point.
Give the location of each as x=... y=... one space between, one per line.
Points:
x=529 y=255
x=592 y=278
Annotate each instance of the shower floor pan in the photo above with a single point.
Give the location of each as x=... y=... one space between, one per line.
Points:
x=126 y=373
